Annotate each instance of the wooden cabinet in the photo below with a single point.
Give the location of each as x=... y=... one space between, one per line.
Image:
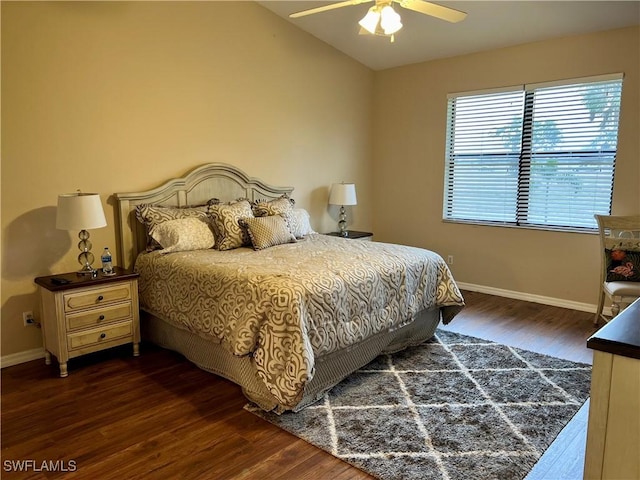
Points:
x=88 y=314
x=613 y=435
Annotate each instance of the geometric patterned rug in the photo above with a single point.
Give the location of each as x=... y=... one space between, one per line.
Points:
x=455 y=407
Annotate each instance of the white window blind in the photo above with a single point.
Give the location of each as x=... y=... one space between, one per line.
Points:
x=539 y=156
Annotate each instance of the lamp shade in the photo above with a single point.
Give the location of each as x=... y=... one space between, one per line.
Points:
x=343 y=194
x=381 y=20
x=370 y=21
x=80 y=211
x=390 y=20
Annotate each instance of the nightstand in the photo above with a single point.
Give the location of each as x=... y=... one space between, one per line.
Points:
x=88 y=314
x=354 y=235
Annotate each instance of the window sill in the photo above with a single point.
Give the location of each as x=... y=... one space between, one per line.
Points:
x=590 y=231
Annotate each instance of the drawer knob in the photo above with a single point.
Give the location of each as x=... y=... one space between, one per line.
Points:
x=103 y=335
x=101 y=317
x=100 y=298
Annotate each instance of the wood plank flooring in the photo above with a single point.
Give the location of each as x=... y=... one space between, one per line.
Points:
x=158 y=416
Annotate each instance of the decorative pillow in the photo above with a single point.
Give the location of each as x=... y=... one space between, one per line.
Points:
x=623 y=266
x=268 y=231
x=153 y=215
x=279 y=206
x=224 y=218
x=183 y=235
x=298 y=220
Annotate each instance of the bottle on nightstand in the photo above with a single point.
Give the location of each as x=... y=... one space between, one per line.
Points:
x=107 y=265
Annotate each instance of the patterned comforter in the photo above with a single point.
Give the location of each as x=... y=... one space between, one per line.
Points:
x=291 y=304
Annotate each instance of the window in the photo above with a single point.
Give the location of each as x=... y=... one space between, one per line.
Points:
x=536 y=155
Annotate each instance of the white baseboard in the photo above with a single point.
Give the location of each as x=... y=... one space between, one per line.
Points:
x=529 y=297
x=21 y=357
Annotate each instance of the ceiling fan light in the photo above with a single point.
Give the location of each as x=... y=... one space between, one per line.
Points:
x=390 y=20
x=370 y=21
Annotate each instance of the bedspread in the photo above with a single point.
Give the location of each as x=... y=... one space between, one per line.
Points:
x=288 y=305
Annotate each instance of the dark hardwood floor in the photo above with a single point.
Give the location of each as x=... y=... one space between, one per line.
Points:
x=554 y=331
x=158 y=416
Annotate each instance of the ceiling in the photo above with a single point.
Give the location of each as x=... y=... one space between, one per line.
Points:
x=489 y=25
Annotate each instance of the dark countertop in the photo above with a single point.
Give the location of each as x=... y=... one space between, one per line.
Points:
x=621 y=336
x=352 y=234
x=75 y=281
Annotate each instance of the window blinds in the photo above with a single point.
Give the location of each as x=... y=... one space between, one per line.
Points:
x=539 y=155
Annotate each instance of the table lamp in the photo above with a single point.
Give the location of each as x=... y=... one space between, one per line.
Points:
x=81 y=211
x=343 y=194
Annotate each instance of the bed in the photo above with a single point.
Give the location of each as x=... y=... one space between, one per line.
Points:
x=285 y=319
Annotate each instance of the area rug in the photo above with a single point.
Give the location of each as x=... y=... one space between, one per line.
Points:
x=455 y=407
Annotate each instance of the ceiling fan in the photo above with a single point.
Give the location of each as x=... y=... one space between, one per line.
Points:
x=382 y=19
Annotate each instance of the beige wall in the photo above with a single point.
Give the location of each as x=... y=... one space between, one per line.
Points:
x=114 y=97
x=410 y=113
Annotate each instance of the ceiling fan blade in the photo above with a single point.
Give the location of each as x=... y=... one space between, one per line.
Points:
x=444 y=13
x=331 y=6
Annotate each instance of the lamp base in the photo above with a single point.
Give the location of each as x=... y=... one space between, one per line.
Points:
x=85 y=258
x=91 y=271
x=342 y=224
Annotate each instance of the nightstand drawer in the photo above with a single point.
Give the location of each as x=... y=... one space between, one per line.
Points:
x=96 y=297
x=99 y=335
x=99 y=316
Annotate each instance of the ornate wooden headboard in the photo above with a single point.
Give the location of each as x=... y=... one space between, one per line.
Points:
x=212 y=180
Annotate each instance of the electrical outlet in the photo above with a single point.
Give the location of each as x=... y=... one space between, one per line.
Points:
x=450 y=259
x=27 y=318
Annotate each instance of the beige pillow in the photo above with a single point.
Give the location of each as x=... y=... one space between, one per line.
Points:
x=268 y=231
x=153 y=215
x=279 y=206
x=299 y=224
x=224 y=218
x=183 y=235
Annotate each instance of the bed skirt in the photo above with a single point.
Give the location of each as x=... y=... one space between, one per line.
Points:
x=329 y=370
